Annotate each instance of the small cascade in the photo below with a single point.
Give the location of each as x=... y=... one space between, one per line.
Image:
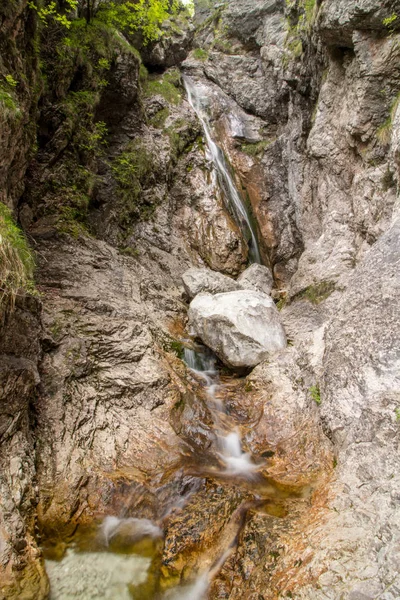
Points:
x=236 y=462
x=235 y=203
x=132 y=529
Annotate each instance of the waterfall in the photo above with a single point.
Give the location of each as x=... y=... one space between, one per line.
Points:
x=234 y=202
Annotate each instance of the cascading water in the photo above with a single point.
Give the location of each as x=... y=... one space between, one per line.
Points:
x=236 y=462
x=235 y=204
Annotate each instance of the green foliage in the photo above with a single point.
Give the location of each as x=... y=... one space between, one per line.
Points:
x=397 y=413
x=70 y=220
x=11 y=81
x=309 y=7
x=129 y=251
x=166 y=86
x=176 y=347
x=133 y=170
x=50 y=11
x=315 y=394
x=318 y=292
x=180 y=137
x=124 y=15
x=159 y=119
x=16 y=261
x=200 y=54
x=8 y=102
x=389 y=21
x=145 y=15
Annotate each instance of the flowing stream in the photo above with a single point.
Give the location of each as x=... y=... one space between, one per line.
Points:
x=235 y=204
x=112 y=567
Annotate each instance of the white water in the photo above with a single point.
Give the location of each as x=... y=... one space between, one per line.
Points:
x=198 y=101
x=132 y=529
x=236 y=462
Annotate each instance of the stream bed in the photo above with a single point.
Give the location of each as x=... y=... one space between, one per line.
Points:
x=128 y=557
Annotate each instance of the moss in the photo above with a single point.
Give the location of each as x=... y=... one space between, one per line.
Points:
x=132 y=170
x=16 y=261
x=257 y=148
x=8 y=102
x=165 y=85
x=180 y=137
x=129 y=251
x=159 y=118
x=318 y=292
x=177 y=348
x=222 y=44
x=309 y=10
x=281 y=302
x=71 y=221
x=143 y=74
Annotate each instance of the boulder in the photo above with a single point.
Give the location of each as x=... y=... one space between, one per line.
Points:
x=204 y=280
x=257 y=278
x=241 y=327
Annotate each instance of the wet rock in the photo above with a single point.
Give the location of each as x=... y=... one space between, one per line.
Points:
x=196 y=281
x=21 y=567
x=257 y=278
x=241 y=327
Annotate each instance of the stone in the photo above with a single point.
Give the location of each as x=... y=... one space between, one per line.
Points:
x=241 y=327
x=257 y=278
x=196 y=281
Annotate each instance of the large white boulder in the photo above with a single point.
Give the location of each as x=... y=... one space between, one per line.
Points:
x=197 y=280
x=241 y=327
x=257 y=278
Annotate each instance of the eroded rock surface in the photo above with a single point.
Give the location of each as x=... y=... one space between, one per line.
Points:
x=196 y=281
x=257 y=278
x=242 y=327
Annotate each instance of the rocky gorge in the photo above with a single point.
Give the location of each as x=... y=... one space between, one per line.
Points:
x=269 y=467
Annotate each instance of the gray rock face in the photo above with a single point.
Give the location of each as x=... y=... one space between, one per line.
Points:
x=196 y=281
x=242 y=327
x=257 y=278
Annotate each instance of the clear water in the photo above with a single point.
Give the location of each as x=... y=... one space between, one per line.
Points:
x=235 y=204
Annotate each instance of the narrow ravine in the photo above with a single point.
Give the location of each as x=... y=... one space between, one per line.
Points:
x=120 y=557
x=233 y=200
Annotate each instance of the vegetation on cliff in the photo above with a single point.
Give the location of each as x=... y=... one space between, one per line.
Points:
x=16 y=261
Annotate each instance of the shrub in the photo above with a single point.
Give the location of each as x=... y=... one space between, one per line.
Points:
x=16 y=261
x=133 y=170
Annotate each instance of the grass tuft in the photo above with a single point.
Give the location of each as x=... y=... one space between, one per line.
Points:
x=16 y=261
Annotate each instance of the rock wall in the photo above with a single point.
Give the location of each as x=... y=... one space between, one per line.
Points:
x=315 y=86
x=96 y=402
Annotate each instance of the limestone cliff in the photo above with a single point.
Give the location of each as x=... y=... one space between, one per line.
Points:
x=103 y=162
